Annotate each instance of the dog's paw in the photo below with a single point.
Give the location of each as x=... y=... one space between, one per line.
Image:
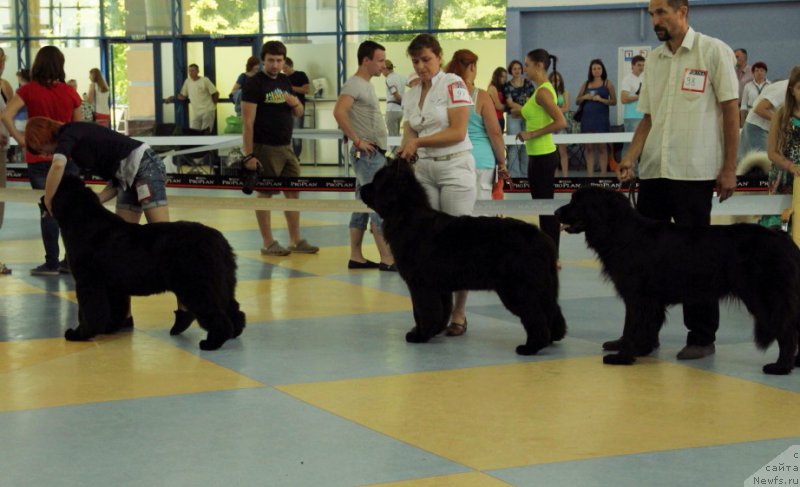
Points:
x=209 y=345
x=414 y=336
x=73 y=335
x=618 y=359
x=527 y=350
x=183 y=320
x=776 y=369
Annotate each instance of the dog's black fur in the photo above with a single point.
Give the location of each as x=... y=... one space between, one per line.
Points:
x=437 y=254
x=654 y=264
x=112 y=260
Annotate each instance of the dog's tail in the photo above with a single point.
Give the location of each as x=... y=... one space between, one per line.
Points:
x=558 y=325
x=237 y=317
x=755 y=161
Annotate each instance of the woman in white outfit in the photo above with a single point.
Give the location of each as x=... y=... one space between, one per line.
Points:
x=436 y=112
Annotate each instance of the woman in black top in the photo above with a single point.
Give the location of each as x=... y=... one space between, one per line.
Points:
x=135 y=173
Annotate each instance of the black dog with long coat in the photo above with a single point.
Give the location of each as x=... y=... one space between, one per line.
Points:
x=655 y=264
x=437 y=254
x=112 y=260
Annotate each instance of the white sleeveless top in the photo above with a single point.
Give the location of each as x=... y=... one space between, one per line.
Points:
x=101 y=101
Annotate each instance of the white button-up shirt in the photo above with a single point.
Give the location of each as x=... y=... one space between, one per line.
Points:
x=447 y=91
x=682 y=93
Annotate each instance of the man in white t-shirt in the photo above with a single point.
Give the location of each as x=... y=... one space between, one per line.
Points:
x=395 y=87
x=687 y=141
x=203 y=96
x=629 y=95
x=756 y=125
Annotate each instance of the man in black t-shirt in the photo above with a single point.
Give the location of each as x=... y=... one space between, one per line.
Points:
x=301 y=87
x=268 y=108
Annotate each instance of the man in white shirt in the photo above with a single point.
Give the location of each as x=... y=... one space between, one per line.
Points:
x=630 y=88
x=744 y=71
x=684 y=150
x=203 y=96
x=753 y=89
x=756 y=125
x=395 y=87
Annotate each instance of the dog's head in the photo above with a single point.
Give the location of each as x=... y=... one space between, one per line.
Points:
x=593 y=208
x=394 y=189
x=73 y=200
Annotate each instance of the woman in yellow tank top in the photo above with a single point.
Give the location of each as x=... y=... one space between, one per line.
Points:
x=542 y=118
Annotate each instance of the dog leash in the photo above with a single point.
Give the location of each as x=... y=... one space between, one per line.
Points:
x=632 y=192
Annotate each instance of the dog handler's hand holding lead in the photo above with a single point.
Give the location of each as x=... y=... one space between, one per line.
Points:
x=726 y=184
x=625 y=169
x=408 y=149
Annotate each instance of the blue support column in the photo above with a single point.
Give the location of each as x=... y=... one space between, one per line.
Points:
x=179 y=59
x=341 y=67
x=23 y=33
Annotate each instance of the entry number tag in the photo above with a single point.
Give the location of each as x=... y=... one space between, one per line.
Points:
x=459 y=93
x=143 y=192
x=695 y=80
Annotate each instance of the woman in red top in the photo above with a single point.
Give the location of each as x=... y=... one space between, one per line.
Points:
x=495 y=91
x=47 y=95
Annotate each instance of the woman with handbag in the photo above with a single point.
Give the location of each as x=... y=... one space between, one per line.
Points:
x=596 y=95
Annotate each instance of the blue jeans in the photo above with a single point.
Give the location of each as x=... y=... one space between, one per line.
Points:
x=365 y=168
x=152 y=174
x=752 y=138
x=517 y=156
x=37 y=173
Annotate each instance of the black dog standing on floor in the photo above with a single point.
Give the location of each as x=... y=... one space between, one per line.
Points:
x=437 y=254
x=112 y=260
x=655 y=264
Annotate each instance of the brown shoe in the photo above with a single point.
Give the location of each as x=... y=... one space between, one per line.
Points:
x=456 y=329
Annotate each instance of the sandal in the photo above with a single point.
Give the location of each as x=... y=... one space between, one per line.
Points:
x=4 y=270
x=456 y=329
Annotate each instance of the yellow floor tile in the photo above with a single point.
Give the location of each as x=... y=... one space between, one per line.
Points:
x=233 y=220
x=560 y=410
x=10 y=285
x=276 y=299
x=19 y=251
x=329 y=260
x=125 y=366
x=472 y=479
x=308 y=297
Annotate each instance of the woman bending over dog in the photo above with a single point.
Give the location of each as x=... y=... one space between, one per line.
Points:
x=135 y=173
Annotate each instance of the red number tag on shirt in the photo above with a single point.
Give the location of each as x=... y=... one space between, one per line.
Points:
x=458 y=92
x=695 y=80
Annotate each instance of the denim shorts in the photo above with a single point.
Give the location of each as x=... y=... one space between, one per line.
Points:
x=365 y=168
x=148 y=189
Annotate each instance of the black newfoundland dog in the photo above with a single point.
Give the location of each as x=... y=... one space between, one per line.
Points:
x=437 y=254
x=112 y=260
x=654 y=264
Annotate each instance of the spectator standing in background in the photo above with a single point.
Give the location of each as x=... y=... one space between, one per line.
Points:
x=203 y=96
x=752 y=90
x=99 y=98
x=395 y=87
x=517 y=91
x=562 y=100
x=47 y=95
x=629 y=95
x=597 y=94
x=250 y=69
x=495 y=91
x=743 y=70
x=301 y=87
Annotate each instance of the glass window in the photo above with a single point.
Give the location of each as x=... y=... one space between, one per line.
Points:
x=223 y=17
x=283 y=16
x=387 y=15
x=469 y=14
x=137 y=17
x=66 y=18
x=8 y=21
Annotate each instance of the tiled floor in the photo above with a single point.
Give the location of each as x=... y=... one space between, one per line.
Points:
x=322 y=390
